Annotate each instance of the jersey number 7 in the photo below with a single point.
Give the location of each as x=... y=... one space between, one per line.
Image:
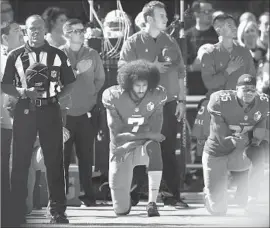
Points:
x=136 y=122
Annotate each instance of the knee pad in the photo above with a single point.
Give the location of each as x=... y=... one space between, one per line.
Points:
x=155 y=159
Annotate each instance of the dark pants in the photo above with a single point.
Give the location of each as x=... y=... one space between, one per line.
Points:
x=82 y=133
x=6 y=136
x=47 y=122
x=171 y=171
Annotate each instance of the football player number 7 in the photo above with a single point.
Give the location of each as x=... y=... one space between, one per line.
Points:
x=136 y=122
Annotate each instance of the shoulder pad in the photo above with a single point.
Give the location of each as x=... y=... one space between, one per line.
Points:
x=214 y=105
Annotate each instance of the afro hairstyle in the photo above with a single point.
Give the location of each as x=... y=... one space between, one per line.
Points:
x=138 y=70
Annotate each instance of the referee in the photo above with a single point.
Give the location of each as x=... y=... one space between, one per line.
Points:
x=38 y=111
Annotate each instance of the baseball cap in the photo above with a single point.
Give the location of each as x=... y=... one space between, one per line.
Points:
x=37 y=75
x=37 y=68
x=246 y=79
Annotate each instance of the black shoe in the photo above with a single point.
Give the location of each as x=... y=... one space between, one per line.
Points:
x=181 y=204
x=135 y=198
x=152 y=210
x=87 y=202
x=58 y=218
x=172 y=201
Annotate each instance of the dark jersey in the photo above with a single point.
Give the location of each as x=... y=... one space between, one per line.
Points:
x=134 y=117
x=225 y=104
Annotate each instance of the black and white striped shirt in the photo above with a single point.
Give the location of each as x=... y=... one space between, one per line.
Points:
x=60 y=70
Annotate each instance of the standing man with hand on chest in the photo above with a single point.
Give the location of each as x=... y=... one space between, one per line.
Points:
x=224 y=62
x=32 y=74
x=80 y=120
x=156 y=46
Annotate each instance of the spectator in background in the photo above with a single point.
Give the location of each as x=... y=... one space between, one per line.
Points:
x=55 y=18
x=223 y=65
x=11 y=38
x=81 y=116
x=202 y=33
x=263 y=41
x=139 y=22
x=247 y=35
x=247 y=16
x=217 y=13
x=155 y=45
x=7 y=14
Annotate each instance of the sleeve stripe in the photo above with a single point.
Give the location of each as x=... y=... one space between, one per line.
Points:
x=57 y=61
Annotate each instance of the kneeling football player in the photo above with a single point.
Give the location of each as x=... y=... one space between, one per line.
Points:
x=135 y=116
x=237 y=131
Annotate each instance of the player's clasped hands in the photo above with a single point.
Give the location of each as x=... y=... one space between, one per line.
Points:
x=121 y=152
x=234 y=64
x=240 y=141
x=162 y=66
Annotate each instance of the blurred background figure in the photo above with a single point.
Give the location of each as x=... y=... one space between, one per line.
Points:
x=263 y=42
x=55 y=18
x=139 y=22
x=247 y=35
x=11 y=38
x=202 y=33
x=117 y=24
x=247 y=16
x=7 y=14
x=217 y=13
x=263 y=75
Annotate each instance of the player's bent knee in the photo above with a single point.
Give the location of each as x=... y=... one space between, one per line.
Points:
x=121 y=201
x=155 y=159
x=120 y=212
x=215 y=209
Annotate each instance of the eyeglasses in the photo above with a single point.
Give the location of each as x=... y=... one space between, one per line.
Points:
x=77 y=31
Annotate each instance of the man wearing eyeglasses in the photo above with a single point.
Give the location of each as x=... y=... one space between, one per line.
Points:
x=202 y=33
x=32 y=75
x=81 y=116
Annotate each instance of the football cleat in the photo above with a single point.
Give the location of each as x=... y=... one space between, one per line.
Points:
x=152 y=210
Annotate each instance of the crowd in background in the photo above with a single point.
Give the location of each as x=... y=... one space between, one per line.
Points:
x=252 y=34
